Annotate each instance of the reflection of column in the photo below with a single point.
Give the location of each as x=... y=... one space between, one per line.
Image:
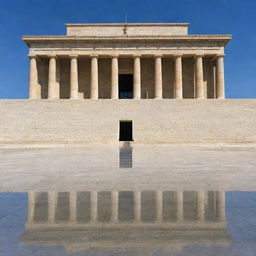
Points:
x=31 y=205
x=94 y=206
x=114 y=78
x=159 y=206
x=200 y=209
x=72 y=205
x=51 y=205
x=221 y=205
x=114 y=206
x=137 y=205
x=179 y=205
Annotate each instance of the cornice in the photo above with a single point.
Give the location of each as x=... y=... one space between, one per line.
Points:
x=222 y=38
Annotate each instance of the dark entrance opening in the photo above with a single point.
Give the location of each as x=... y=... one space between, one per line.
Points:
x=125 y=131
x=125 y=84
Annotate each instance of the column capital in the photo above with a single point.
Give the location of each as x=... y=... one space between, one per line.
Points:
x=52 y=56
x=158 y=56
x=178 y=55
x=32 y=55
x=114 y=56
x=136 y=56
x=220 y=55
x=73 y=56
x=199 y=55
x=94 y=55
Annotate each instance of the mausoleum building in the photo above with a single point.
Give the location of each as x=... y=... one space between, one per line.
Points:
x=106 y=84
x=127 y=60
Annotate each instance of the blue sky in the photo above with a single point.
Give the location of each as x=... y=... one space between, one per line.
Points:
x=47 y=17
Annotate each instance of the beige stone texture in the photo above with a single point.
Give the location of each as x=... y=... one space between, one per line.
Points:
x=87 y=122
x=131 y=29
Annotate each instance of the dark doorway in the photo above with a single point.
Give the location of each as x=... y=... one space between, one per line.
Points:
x=125 y=84
x=125 y=131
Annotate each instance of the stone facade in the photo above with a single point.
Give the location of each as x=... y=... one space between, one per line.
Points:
x=155 y=122
x=163 y=59
x=81 y=73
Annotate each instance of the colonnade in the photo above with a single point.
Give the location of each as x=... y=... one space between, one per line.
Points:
x=53 y=84
x=137 y=204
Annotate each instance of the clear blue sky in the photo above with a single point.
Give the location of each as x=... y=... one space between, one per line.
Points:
x=47 y=17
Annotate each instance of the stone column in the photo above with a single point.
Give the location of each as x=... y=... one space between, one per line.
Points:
x=199 y=77
x=179 y=205
x=51 y=206
x=73 y=206
x=94 y=206
x=57 y=94
x=137 y=78
x=31 y=205
x=220 y=87
x=94 y=77
x=178 y=90
x=52 y=78
x=200 y=203
x=137 y=206
x=114 y=78
x=114 y=206
x=158 y=77
x=34 y=88
x=73 y=77
x=221 y=205
x=159 y=206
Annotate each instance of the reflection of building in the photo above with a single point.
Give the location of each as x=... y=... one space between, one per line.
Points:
x=100 y=219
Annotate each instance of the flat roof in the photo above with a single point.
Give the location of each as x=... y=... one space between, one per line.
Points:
x=123 y=24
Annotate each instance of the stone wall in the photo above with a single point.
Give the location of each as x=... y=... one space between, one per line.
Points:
x=89 y=122
x=131 y=29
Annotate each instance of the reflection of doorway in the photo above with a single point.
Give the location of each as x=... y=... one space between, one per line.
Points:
x=125 y=131
x=125 y=85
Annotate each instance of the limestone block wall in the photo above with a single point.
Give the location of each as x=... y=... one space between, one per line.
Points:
x=93 y=122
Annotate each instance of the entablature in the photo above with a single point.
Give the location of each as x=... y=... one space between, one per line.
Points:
x=221 y=39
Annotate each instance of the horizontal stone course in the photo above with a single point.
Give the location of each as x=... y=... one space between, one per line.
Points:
x=166 y=121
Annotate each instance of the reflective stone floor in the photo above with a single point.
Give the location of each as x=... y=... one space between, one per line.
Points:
x=128 y=201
